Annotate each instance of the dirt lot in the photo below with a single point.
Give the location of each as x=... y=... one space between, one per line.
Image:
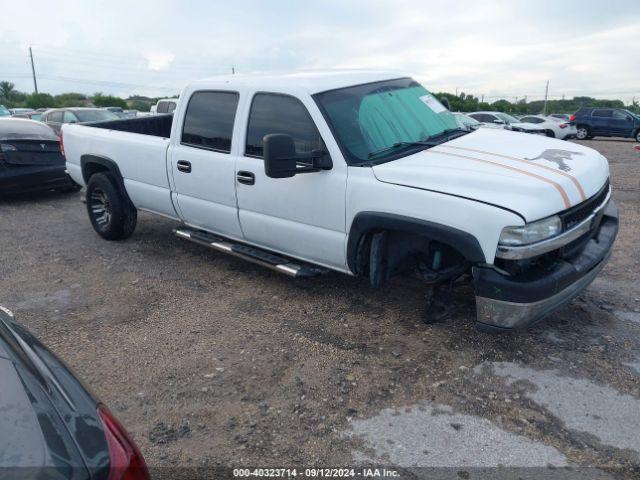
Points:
x=210 y=360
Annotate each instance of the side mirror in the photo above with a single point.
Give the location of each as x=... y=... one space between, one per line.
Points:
x=282 y=161
x=279 y=156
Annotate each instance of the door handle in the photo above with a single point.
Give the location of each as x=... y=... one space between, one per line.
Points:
x=184 y=166
x=245 y=177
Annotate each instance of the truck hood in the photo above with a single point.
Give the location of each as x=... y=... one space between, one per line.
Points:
x=532 y=175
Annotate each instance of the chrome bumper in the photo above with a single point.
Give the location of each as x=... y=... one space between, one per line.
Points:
x=506 y=302
x=511 y=315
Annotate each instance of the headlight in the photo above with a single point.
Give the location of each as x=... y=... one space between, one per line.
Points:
x=531 y=232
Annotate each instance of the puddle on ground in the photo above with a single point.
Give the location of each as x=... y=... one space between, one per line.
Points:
x=628 y=316
x=429 y=435
x=581 y=404
x=635 y=367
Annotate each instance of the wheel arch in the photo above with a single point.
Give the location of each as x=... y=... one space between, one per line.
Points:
x=90 y=164
x=365 y=223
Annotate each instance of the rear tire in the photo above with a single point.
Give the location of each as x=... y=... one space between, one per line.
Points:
x=550 y=134
x=583 y=133
x=112 y=214
x=637 y=136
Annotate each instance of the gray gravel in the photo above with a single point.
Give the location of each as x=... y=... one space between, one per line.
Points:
x=209 y=360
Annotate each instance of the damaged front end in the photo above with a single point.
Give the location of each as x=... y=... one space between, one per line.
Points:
x=529 y=282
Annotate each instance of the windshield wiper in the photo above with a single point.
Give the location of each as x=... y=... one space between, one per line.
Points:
x=447 y=133
x=427 y=142
x=401 y=144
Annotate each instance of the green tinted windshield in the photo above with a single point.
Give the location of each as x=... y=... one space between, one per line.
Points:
x=369 y=118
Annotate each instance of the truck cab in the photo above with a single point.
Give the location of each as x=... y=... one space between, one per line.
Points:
x=364 y=173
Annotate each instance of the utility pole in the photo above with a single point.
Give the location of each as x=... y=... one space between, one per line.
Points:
x=33 y=70
x=482 y=98
x=233 y=70
x=546 y=94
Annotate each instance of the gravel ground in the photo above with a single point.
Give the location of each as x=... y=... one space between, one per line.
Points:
x=209 y=360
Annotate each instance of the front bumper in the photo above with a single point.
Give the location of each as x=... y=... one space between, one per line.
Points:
x=512 y=302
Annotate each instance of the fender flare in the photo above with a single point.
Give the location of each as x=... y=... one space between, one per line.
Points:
x=364 y=222
x=105 y=162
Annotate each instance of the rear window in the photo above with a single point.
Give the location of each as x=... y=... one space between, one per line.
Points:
x=599 y=112
x=166 y=107
x=95 y=115
x=208 y=122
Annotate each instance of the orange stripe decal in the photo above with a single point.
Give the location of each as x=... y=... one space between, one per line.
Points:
x=528 y=162
x=555 y=185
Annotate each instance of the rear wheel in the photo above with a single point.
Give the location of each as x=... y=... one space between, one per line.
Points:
x=112 y=214
x=582 y=133
x=550 y=134
x=637 y=136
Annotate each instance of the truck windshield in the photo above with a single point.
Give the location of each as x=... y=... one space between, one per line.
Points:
x=382 y=121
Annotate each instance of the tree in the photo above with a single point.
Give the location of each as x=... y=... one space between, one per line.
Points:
x=100 y=100
x=7 y=89
x=40 y=100
x=140 y=105
x=71 y=99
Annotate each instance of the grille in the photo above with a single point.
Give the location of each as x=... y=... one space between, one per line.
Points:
x=572 y=217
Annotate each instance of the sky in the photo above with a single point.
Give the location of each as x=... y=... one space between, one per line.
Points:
x=495 y=49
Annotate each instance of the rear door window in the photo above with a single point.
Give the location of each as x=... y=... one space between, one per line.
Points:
x=208 y=122
x=601 y=112
x=69 y=117
x=55 y=117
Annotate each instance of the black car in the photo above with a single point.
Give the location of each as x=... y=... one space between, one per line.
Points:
x=57 y=117
x=30 y=158
x=51 y=427
x=606 y=122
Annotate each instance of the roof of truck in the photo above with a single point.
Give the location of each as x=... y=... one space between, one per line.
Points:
x=312 y=82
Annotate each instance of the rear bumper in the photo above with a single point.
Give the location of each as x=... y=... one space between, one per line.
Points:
x=512 y=302
x=33 y=179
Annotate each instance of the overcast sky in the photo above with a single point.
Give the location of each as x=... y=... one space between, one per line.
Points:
x=499 y=49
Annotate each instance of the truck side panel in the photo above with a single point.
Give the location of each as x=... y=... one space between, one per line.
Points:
x=141 y=160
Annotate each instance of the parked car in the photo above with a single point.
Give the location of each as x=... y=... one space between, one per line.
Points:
x=4 y=112
x=606 y=122
x=471 y=123
x=166 y=105
x=505 y=121
x=30 y=158
x=553 y=126
x=119 y=111
x=52 y=426
x=31 y=115
x=57 y=117
x=15 y=111
x=363 y=173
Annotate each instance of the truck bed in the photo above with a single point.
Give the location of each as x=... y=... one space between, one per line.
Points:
x=156 y=125
x=138 y=147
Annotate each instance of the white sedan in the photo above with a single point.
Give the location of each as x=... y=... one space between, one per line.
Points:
x=506 y=121
x=554 y=127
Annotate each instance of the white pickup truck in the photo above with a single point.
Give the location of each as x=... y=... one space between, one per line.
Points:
x=364 y=173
